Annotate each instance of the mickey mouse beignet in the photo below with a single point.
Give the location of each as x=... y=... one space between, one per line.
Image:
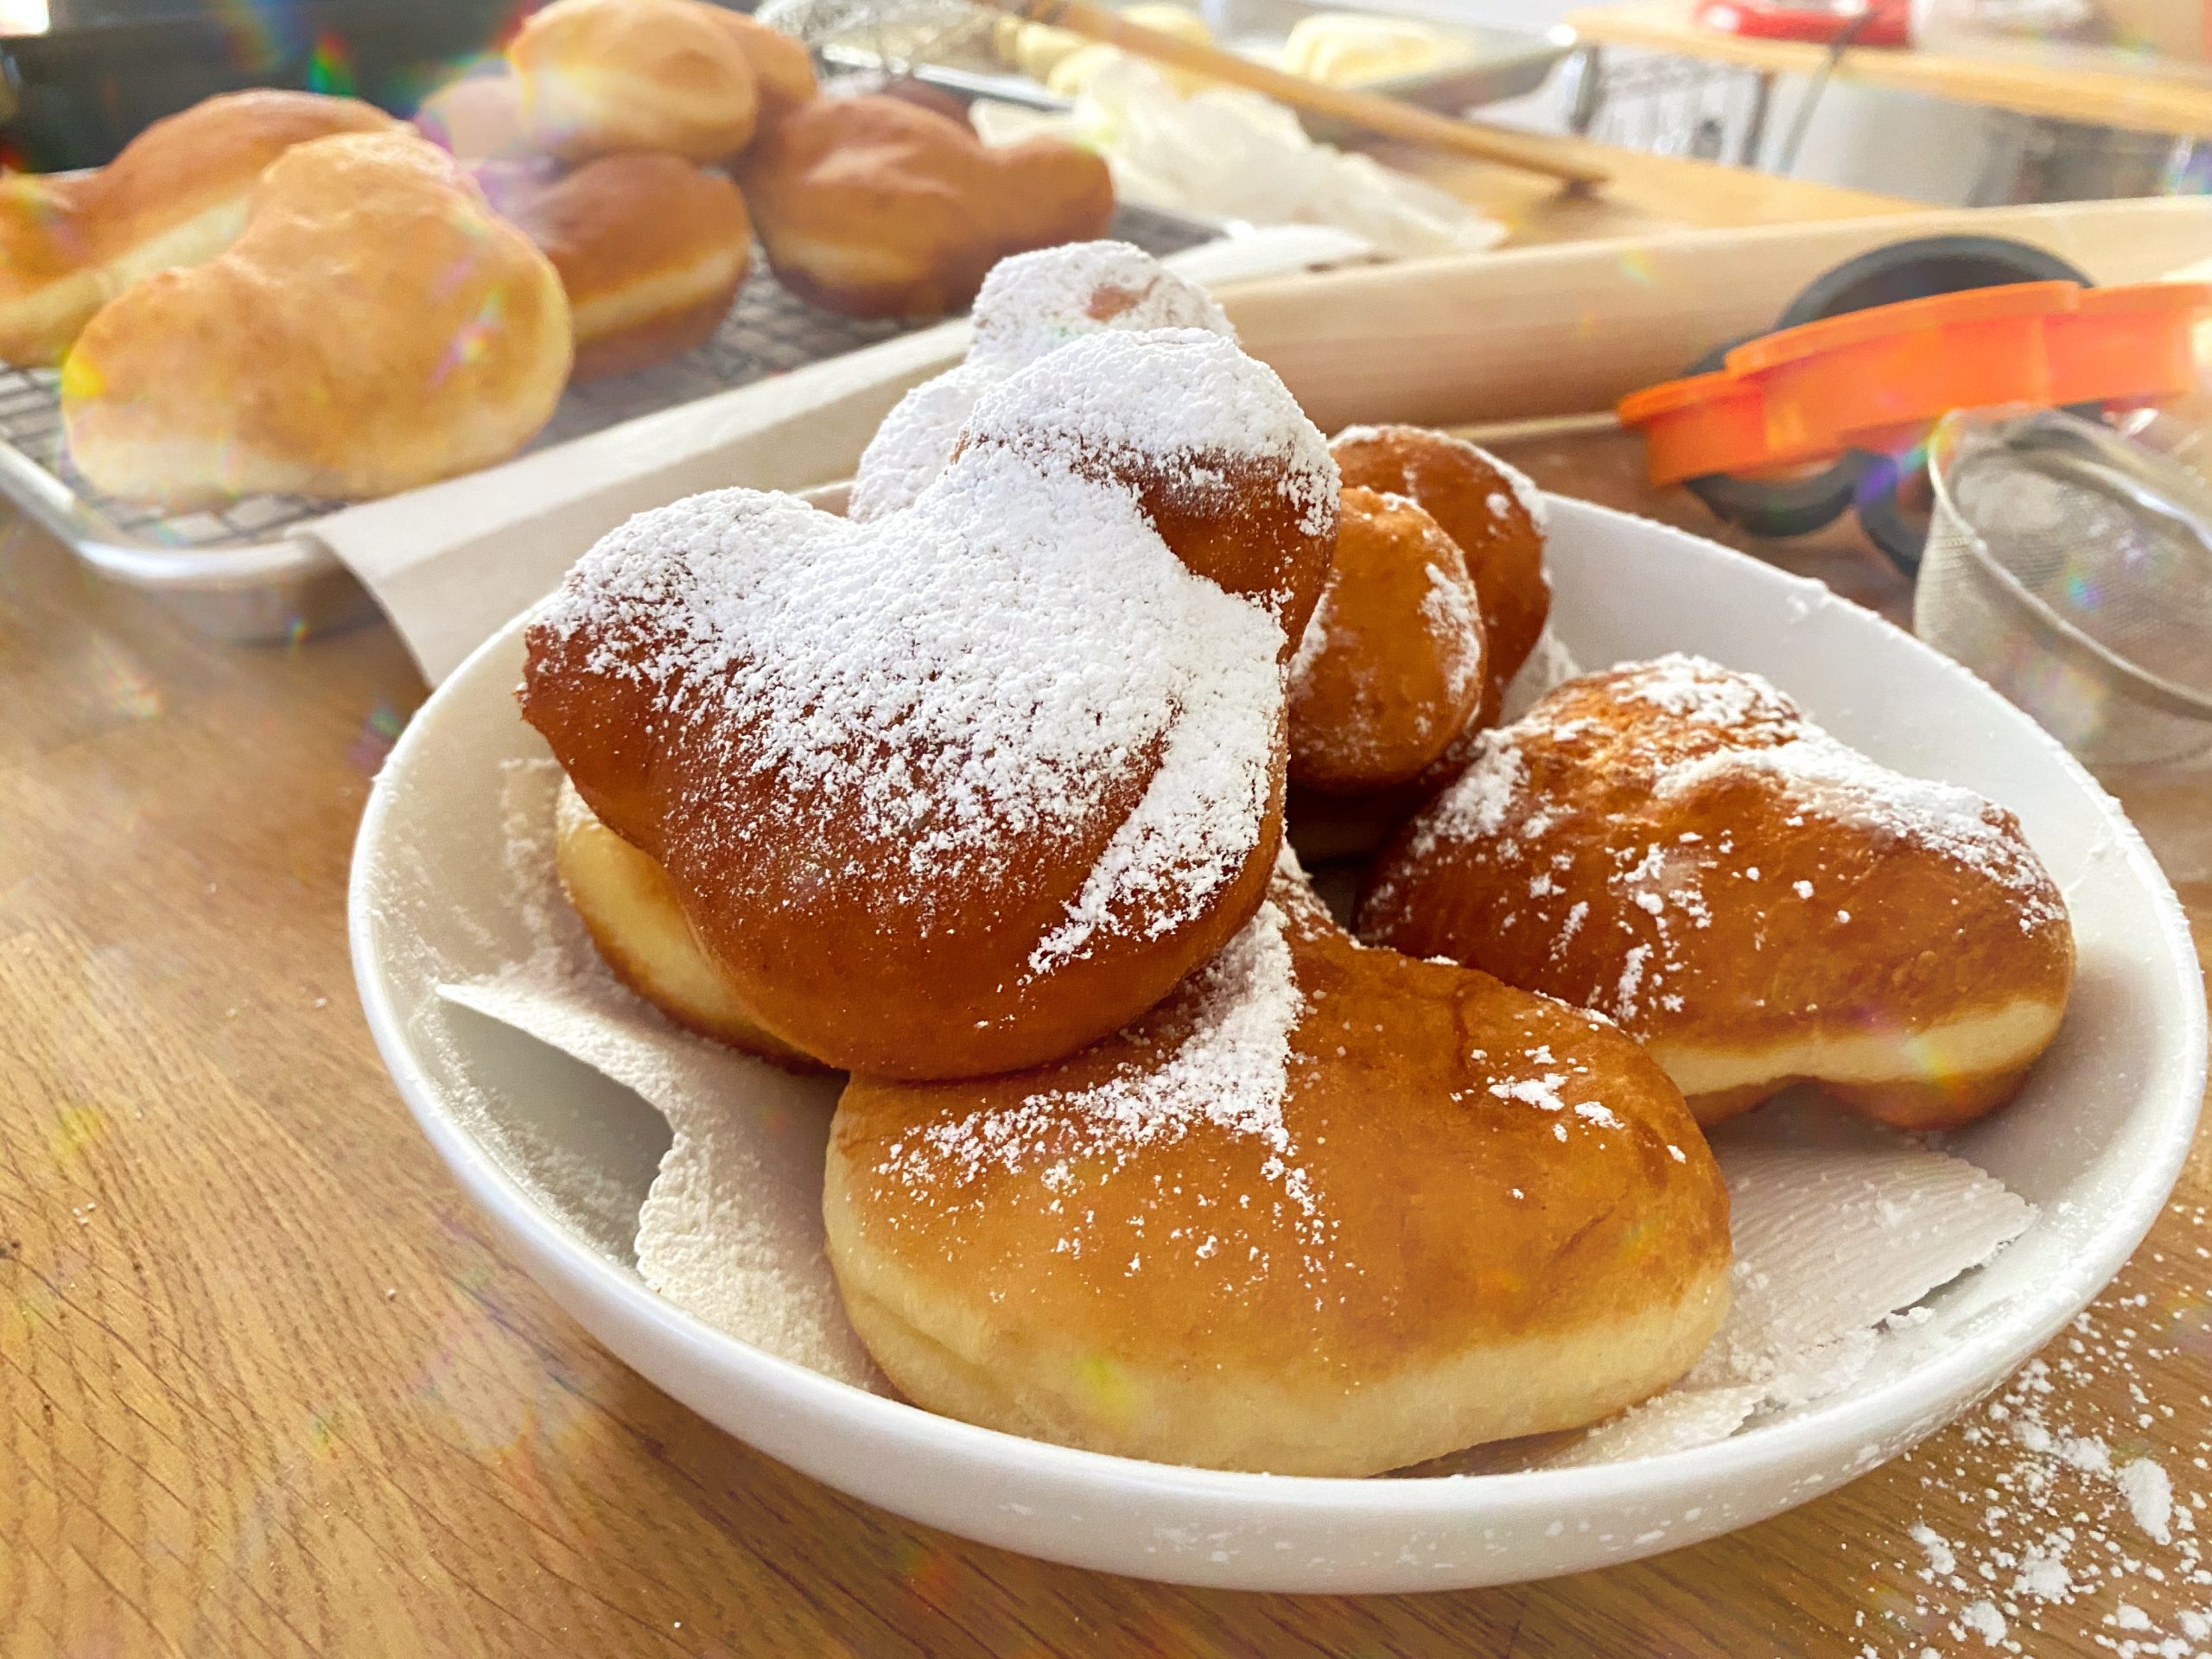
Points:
x=967 y=786
x=375 y=327
x=1325 y=1211
x=177 y=194
x=1674 y=845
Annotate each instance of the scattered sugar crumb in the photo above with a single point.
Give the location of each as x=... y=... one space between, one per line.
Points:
x=2149 y=1495
x=2054 y=1511
x=1984 y=1621
x=1941 y=1560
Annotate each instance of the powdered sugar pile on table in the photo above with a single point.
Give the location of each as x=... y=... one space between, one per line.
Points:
x=2043 y=1500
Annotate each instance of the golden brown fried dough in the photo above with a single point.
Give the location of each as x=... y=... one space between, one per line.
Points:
x=1389 y=670
x=877 y=207
x=630 y=908
x=650 y=249
x=965 y=787
x=1674 y=845
x=600 y=77
x=375 y=327
x=1325 y=1211
x=176 y=196
x=1488 y=509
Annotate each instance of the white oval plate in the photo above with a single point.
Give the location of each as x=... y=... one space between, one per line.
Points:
x=560 y=1159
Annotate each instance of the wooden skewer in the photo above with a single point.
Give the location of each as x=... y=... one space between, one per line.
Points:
x=1534 y=427
x=1559 y=158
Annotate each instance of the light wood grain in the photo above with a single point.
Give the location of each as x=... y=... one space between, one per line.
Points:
x=267 y=1386
x=1644 y=195
x=2025 y=84
x=1567 y=329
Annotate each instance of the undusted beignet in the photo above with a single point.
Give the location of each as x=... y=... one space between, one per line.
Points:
x=782 y=69
x=375 y=327
x=600 y=77
x=651 y=250
x=1674 y=845
x=874 y=207
x=477 y=118
x=176 y=196
x=1325 y=1211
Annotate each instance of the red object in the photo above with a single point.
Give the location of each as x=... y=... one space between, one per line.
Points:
x=1877 y=378
x=1819 y=22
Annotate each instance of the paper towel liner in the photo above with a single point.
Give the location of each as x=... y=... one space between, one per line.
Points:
x=1837 y=1223
x=450 y=563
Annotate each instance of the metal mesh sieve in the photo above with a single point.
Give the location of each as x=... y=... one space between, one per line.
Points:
x=2072 y=569
x=898 y=33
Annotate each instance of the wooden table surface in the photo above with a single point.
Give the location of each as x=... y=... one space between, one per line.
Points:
x=1645 y=195
x=268 y=1388
x=2026 y=84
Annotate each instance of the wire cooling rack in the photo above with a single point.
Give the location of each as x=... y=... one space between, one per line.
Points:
x=768 y=332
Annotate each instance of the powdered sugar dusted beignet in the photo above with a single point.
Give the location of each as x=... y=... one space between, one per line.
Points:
x=966 y=787
x=1391 y=668
x=1325 y=1211
x=1030 y=304
x=1674 y=845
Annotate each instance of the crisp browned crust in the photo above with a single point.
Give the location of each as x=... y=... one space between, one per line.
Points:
x=1486 y=1215
x=1393 y=669
x=874 y=207
x=629 y=907
x=374 y=327
x=1463 y=489
x=176 y=196
x=1674 y=845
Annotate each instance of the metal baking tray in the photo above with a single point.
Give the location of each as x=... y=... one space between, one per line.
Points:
x=249 y=573
x=1482 y=65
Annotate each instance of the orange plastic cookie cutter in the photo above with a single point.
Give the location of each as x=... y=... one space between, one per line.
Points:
x=1876 y=378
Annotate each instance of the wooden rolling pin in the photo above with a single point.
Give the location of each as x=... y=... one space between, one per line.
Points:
x=1566 y=159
